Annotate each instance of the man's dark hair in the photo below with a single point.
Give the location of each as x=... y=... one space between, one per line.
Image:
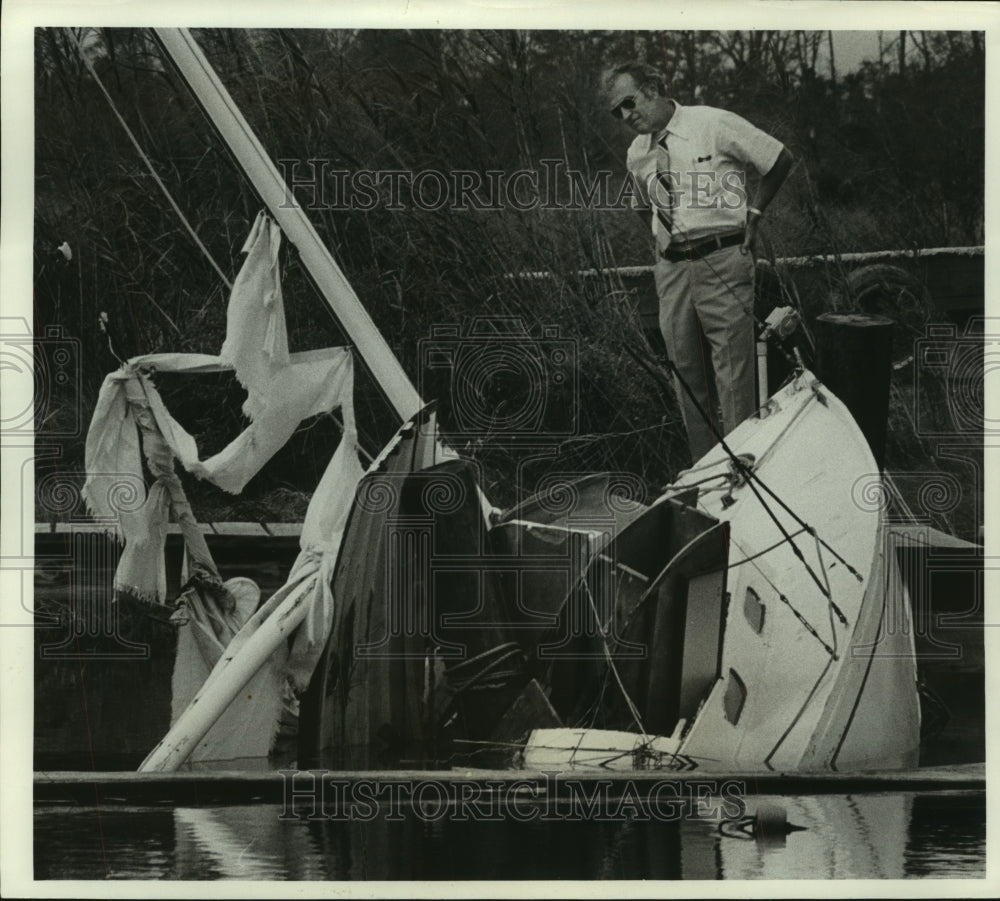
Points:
x=642 y=74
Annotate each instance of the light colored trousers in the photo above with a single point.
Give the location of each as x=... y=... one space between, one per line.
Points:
x=717 y=292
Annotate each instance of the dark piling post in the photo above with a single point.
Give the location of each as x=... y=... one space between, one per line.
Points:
x=854 y=360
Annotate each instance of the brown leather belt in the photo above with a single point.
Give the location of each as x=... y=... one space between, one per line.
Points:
x=702 y=248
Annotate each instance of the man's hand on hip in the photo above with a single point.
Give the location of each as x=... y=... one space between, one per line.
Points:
x=750 y=236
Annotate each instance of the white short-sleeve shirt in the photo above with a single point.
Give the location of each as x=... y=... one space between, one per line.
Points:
x=710 y=151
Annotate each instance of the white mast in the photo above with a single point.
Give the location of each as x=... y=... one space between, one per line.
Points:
x=255 y=162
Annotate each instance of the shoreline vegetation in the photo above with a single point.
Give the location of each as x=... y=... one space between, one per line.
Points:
x=876 y=151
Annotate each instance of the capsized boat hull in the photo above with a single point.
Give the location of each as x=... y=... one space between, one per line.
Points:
x=816 y=666
x=751 y=624
x=822 y=645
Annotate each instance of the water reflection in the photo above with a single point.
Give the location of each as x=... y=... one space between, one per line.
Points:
x=845 y=837
x=886 y=836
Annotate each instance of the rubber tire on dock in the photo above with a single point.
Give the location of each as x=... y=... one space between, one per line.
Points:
x=885 y=290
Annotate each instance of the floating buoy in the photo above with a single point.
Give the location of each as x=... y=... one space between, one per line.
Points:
x=769 y=826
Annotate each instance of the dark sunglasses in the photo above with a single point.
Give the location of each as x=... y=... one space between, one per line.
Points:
x=628 y=104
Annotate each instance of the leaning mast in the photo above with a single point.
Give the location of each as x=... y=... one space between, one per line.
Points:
x=369 y=344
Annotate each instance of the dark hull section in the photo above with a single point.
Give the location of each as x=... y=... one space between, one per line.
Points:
x=455 y=636
x=419 y=649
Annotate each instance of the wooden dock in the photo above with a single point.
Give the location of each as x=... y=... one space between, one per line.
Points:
x=235 y=529
x=226 y=787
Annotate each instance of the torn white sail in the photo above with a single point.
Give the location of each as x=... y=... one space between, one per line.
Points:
x=218 y=619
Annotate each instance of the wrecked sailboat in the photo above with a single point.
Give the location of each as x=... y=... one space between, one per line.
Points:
x=720 y=627
x=748 y=618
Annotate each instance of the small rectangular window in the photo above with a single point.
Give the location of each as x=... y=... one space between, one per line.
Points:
x=735 y=697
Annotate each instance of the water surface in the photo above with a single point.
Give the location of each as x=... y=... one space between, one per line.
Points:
x=872 y=835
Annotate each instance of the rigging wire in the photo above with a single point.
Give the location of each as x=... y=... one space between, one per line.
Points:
x=833 y=628
x=761 y=553
x=750 y=475
x=809 y=627
x=611 y=663
x=293 y=249
x=166 y=193
x=747 y=310
x=796 y=301
x=798 y=716
x=149 y=165
x=752 y=481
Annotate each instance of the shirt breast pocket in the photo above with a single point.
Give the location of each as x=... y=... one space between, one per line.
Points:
x=703 y=180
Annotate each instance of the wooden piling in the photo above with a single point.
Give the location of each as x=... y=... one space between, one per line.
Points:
x=854 y=360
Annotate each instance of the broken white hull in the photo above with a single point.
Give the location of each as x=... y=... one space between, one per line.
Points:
x=816 y=667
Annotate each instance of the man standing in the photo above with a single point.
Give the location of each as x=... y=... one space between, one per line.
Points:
x=689 y=165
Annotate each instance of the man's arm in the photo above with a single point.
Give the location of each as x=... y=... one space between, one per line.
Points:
x=769 y=185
